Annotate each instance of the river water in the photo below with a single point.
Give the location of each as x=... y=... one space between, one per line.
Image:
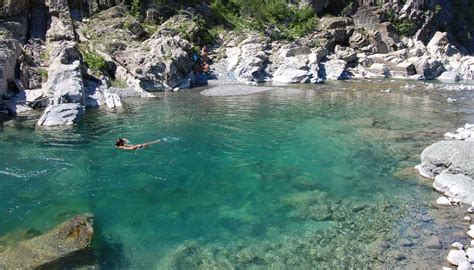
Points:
x=297 y=177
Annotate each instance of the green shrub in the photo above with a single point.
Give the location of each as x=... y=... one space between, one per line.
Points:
x=404 y=27
x=135 y=8
x=118 y=83
x=278 y=18
x=42 y=72
x=93 y=60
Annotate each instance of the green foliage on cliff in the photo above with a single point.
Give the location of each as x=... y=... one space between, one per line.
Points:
x=278 y=18
x=404 y=27
x=135 y=8
x=93 y=60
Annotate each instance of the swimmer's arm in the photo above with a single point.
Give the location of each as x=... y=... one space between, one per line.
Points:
x=129 y=147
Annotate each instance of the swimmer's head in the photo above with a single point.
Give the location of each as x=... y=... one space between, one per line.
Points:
x=120 y=142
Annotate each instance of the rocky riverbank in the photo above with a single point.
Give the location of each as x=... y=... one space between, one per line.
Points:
x=450 y=164
x=89 y=54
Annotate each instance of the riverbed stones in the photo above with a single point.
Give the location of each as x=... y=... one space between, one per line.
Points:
x=61 y=114
x=59 y=243
x=456 y=257
x=471 y=233
x=433 y=243
x=464 y=266
x=457 y=245
x=443 y=201
x=470 y=254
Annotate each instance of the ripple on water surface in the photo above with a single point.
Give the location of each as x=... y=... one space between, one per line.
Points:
x=285 y=178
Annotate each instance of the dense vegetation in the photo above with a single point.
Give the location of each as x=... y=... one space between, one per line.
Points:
x=279 y=19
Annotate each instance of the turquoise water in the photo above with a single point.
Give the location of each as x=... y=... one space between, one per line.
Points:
x=289 y=178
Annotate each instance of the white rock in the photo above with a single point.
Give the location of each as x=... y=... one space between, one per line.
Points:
x=470 y=254
x=451 y=100
x=450 y=135
x=447 y=268
x=467 y=219
x=112 y=100
x=456 y=257
x=470 y=210
x=464 y=266
x=443 y=201
x=471 y=233
x=336 y=70
x=472 y=243
x=471 y=227
x=455 y=185
x=457 y=245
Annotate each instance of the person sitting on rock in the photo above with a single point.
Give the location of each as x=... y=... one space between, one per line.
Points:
x=121 y=143
x=205 y=67
x=204 y=54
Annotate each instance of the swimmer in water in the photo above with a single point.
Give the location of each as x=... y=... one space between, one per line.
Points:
x=121 y=143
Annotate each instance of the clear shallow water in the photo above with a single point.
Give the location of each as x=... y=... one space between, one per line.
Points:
x=293 y=177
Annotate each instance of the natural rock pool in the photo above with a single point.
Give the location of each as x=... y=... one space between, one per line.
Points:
x=312 y=176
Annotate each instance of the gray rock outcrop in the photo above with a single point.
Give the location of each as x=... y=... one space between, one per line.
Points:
x=450 y=164
x=161 y=63
x=65 y=114
x=50 y=248
x=10 y=50
x=335 y=70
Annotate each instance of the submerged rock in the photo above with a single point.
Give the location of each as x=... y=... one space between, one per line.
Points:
x=50 y=248
x=443 y=201
x=234 y=90
x=61 y=114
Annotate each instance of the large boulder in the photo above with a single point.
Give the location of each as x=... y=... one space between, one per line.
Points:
x=65 y=84
x=334 y=69
x=161 y=63
x=293 y=70
x=345 y=53
x=49 y=249
x=330 y=23
x=431 y=68
x=359 y=40
x=246 y=61
x=61 y=28
x=450 y=164
x=61 y=114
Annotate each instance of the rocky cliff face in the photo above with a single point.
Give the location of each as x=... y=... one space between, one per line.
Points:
x=54 y=52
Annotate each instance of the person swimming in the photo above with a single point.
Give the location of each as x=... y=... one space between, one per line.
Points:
x=121 y=143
